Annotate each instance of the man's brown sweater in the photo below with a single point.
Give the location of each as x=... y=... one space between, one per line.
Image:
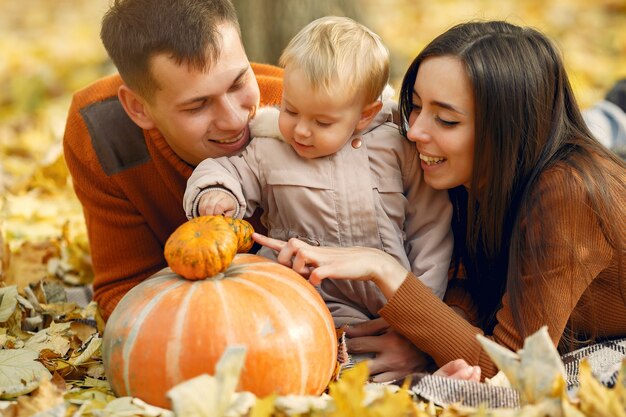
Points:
x=130 y=183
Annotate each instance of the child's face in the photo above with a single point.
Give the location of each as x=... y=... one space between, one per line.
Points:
x=316 y=123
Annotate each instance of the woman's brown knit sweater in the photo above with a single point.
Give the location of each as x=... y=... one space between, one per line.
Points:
x=582 y=286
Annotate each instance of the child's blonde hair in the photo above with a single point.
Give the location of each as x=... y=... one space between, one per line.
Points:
x=339 y=54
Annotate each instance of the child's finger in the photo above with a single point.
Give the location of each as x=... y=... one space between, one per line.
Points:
x=224 y=206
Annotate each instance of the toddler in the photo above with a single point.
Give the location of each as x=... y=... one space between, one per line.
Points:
x=331 y=168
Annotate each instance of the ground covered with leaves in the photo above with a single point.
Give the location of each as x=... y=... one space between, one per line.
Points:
x=50 y=357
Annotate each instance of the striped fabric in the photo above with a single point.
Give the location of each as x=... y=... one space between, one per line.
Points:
x=605 y=359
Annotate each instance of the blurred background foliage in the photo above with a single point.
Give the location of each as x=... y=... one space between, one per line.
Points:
x=48 y=49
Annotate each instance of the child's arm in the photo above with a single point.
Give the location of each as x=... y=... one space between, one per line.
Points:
x=427 y=227
x=224 y=184
x=210 y=189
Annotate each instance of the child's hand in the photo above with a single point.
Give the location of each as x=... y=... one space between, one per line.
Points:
x=217 y=203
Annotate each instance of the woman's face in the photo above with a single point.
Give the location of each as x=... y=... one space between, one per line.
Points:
x=441 y=122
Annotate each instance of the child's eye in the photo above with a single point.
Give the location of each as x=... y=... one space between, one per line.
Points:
x=446 y=123
x=290 y=112
x=323 y=124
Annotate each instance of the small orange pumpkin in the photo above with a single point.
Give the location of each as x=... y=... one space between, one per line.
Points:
x=244 y=231
x=202 y=247
x=168 y=329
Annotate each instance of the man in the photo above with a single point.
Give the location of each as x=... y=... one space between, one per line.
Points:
x=185 y=92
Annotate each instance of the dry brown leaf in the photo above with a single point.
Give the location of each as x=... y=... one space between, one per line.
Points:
x=82 y=331
x=44 y=398
x=20 y=372
x=29 y=263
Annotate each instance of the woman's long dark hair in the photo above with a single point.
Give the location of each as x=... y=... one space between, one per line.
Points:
x=526 y=121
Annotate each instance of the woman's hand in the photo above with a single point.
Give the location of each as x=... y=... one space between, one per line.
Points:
x=354 y=263
x=395 y=356
x=459 y=369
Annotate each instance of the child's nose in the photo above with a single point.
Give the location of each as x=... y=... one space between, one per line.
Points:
x=302 y=129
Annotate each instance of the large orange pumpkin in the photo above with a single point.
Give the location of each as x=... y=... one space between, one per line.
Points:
x=168 y=329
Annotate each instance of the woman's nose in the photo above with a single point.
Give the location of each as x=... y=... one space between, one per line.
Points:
x=417 y=131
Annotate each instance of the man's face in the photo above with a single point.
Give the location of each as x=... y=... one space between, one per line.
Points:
x=205 y=114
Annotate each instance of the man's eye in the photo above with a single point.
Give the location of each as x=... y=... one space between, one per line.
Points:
x=238 y=85
x=195 y=109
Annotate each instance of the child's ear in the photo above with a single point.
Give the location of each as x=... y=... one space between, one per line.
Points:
x=136 y=107
x=368 y=113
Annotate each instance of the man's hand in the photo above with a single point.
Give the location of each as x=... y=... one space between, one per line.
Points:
x=395 y=356
x=216 y=203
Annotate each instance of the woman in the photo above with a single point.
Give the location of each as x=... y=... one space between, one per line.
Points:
x=540 y=205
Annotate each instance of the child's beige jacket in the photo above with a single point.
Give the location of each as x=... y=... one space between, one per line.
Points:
x=370 y=193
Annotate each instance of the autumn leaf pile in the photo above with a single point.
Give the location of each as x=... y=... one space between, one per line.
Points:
x=50 y=49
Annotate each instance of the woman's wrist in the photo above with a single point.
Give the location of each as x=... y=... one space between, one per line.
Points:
x=389 y=276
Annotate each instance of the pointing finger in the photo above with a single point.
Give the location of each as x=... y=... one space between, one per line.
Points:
x=269 y=242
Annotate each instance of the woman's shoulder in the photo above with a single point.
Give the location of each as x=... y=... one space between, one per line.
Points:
x=584 y=174
x=579 y=185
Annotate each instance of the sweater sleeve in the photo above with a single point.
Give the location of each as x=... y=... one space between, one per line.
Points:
x=578 y=252
x=233 y=174
x=124 y=250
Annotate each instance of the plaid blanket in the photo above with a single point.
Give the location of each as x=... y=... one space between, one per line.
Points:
x=605 y=359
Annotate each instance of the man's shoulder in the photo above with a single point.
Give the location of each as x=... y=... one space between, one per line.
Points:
x=270 y=80
x=97 y=118
x=267 y=70
x=102 y=89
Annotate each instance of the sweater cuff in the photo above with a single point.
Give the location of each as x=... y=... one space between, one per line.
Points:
x=430 y=324
x=196 y=201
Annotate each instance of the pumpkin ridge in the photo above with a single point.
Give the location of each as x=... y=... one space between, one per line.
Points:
x=222 y=297
x=134 y=330
x=318 y=310
x=173 y=350
x=283 y=313
x=297 y=288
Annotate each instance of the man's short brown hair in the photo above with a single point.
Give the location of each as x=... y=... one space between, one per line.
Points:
x=133 y=31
